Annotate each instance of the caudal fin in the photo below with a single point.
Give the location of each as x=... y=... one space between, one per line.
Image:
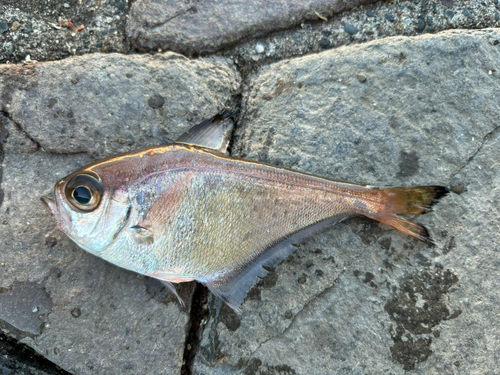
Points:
x=414 y=200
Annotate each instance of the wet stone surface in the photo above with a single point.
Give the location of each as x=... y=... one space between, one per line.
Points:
x=418 y=307
x=358 y=298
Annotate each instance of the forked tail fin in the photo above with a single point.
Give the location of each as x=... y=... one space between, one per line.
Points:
x=414 y=200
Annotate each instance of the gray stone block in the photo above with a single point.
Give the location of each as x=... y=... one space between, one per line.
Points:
x=206 y=26
x=361 y=297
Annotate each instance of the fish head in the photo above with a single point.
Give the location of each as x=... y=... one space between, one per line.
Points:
x=89 y=209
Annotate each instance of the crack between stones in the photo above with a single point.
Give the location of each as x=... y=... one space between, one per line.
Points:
x=2 y=129
x=196 y=315
x=198 y=311
x=306 y=305
x=177 y=14
x=471 y=158
x=39 y=147
x=16 y=357
x=304 y=308
x=20 y=128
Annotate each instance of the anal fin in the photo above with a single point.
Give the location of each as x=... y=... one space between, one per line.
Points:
x=234 y=290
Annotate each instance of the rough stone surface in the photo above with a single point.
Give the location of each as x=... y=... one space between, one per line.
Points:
x=104 y=104
x=39 y=30
x=357 y=299
x=361 y=297
x=206 y=26
x=380 y=20
x=83 y=314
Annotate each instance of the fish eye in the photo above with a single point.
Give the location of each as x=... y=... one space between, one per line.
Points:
x=82 y=195
x=84 y=192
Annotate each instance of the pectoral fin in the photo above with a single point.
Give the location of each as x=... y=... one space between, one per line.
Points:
x=172 y=289
x=142 y=234
x=213 y=133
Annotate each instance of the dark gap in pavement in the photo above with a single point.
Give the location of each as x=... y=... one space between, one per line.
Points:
x=199 y=304
x=237 y=111
x=21 y=359
x=198 y=313
x=3 y=138
x=20 y=128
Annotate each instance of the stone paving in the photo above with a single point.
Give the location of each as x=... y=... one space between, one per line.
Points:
x=389 y=93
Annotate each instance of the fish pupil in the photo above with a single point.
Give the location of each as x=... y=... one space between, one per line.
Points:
x=82 y=195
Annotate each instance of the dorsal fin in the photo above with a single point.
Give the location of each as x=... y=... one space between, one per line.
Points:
x=234 y=290
x=213 y=133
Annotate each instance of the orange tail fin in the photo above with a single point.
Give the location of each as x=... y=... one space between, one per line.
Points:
x=414 y=200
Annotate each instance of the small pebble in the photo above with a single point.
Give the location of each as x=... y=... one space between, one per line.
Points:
x=3 y=27
x=297 y=37
x=350 y=29
x=15 y=25
x=361 y=78
x=66 y=5
x=325 y=43
x=121 y=5
x=156 y=101
x=497 y=16
x=76 y=312
x=389 y=17
x=259 y=48
x=421 y=26
x=449 y=13
x=371 y=14
x=467 y=13
x=457 y=186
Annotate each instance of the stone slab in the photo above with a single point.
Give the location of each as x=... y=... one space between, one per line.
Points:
x=206 y=26
x=362 y=298
x=104 y=104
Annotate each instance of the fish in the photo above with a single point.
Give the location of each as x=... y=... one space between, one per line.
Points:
x=188 y=211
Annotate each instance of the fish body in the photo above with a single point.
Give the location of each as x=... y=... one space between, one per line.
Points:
x=185 y=212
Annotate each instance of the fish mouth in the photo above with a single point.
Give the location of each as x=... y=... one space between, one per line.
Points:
x=50 y=205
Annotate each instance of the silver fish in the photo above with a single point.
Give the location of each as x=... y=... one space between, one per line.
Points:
x=186 y=211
